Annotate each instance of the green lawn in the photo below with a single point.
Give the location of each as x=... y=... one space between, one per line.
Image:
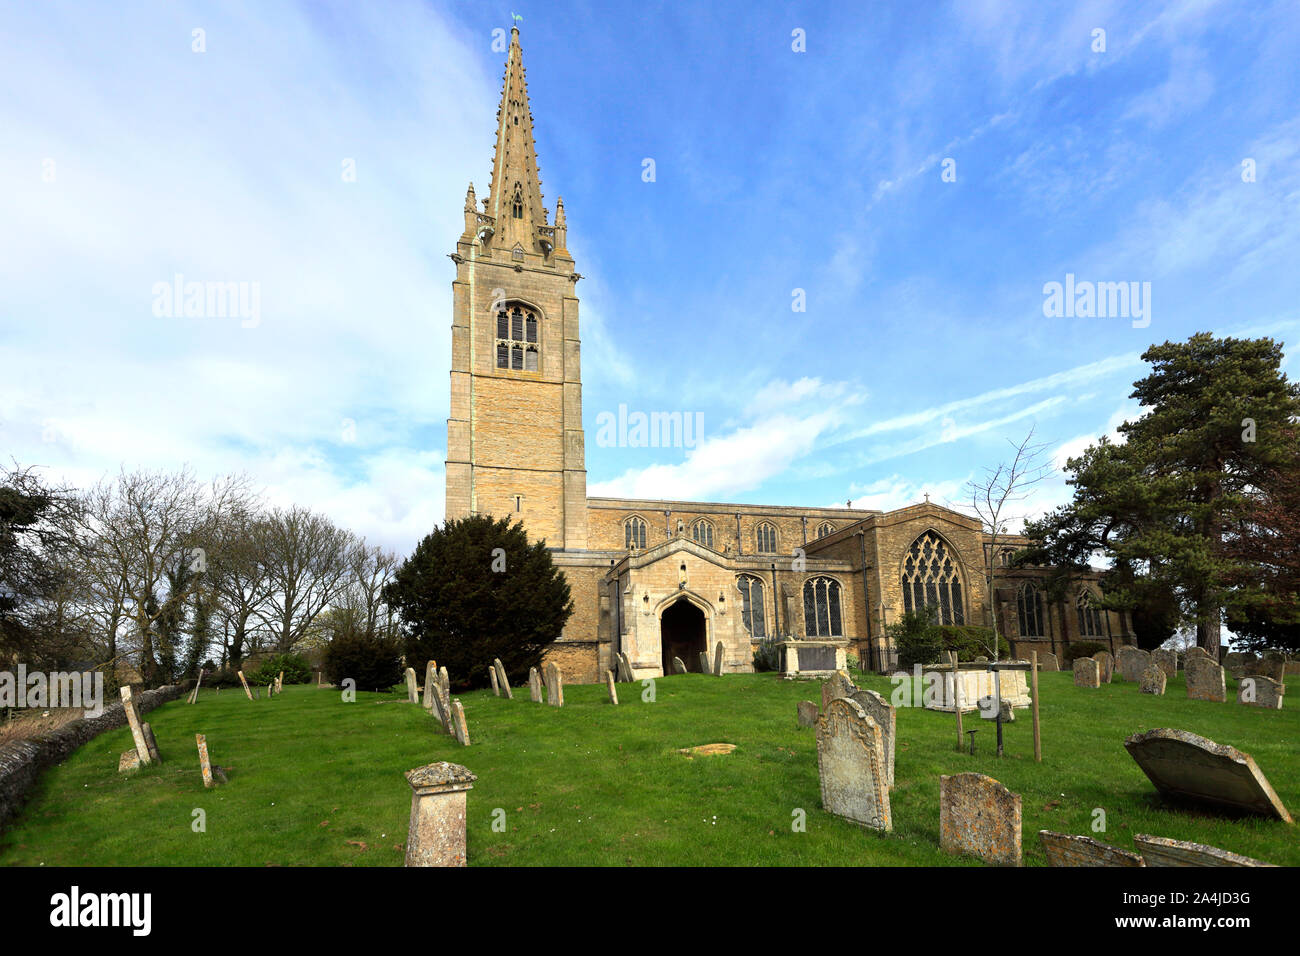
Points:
x=315 y=781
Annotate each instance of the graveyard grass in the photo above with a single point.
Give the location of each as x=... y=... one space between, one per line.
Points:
x=316 y=781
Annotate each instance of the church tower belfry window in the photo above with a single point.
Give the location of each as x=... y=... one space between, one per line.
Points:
x=517 y=338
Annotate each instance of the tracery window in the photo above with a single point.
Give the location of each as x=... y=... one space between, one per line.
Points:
x=517 y=346
x=765 y=535
x=1090 y=619
x=1032 y=611
x=932 y=579
x=634 y=533
x=702 y=532
x=824 y=529
x=821 y=608
x=751 y=605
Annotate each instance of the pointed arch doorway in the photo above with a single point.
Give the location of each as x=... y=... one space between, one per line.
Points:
x=682 y=630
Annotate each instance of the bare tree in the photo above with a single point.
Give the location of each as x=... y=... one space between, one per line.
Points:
x=239 y=578
x=994 y=499
x=307 y=560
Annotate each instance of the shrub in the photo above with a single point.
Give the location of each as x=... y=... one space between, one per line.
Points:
x=852 y=661
x=767 y=656
x=920 y=641
x=1079 y=649
x=372 y=660
x=296 y=670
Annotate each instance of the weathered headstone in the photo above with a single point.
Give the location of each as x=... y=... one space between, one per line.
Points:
x=150 y=742
x=882 y=712
x=1167 y=660
x=1153 y=680
x=444 y=681
x=1087 y=672
x=1105 y=666
x=1195 y=652
x=807 y=713
x=194 y=695
x=244 y=681
x=717 y=660
x=1047 y=661
x=534 y=685
x=133 y=719
x=850 y=763
x=1183 y=765
x=492 y=676
x=979 y=816
x=1131 y=662
x=436 y=834
x=705 y=667
x=412 y=695
x=502 y=680
x=1261 y=692
x=430 y=685
x=205 y=767
x=1205 y=680
x=679 y=666
x=554 y=685
x=1067 y=849
x=1160 y=851
x=609 y=686
x=458 y=725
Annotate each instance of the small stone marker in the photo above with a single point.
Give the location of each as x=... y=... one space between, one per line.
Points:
x=1205 y=680
x=554 y=685
x=704 y=662
x=1131 y=662
x=717 y=660
x=436 y=833
x=137 y=733
x=850 y=765
x=130 y=760
x=412 y=695
x=430 y=685
x=496 y=686
x=1261 y=692
x=458 y=723
x=1159 y=851
x=1066 y=849
x=1184 y=765
x=150 y=742
x=609 y=686
x=807 y=713
x=679 y=666
x=1106 y=666
x=979 y=816
x=1153 y=680
x=1048 y=661
x=244 y=681
x=1166 y=660
x=534 y=685
x=1087 y=672
x=502 y=679
x=882 y=712
x=205 y=767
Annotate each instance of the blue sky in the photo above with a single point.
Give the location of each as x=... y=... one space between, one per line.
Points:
x=126 y=157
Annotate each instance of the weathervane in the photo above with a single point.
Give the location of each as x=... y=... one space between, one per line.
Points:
x=516 y=17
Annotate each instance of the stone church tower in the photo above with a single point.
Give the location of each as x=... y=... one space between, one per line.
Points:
x=514 y=438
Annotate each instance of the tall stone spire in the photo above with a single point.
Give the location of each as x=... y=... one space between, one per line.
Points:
x=514 y=198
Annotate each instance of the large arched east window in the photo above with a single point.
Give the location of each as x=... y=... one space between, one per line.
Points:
x=1090 y=619
x=751 y=605
x=634 y=533
x=765 y=538
x=932 y=579
x=517 y=345
x=821 y=608
x=702 y=532
x=1032 y=611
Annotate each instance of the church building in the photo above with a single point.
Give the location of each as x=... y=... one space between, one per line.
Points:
x=657 y=579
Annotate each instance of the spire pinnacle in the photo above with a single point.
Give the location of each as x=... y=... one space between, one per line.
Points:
x=515 y=192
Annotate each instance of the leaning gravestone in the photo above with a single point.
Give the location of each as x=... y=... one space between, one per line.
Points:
x=458 y=725
x=704 y=662
x=609 y=686
x=1087 y=672
x=717 y=660
x=502 y=680
x=1153 y=681
x=1130 y=662
x=1261 y=692
x=625 y=672
x=534 y=685
x=1160 y=851
x=1183 y=765
x=882 y=712
x=1066 y=849
x=1106 y=666
x=850 y=765
x=1166 y=660
x=1047 y=661
x=807 y=713
x=979 y=816
x=1205 y=680
x=496 y=681
x=679 y=666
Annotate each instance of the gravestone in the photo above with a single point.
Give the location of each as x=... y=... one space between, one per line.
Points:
x=1087 y=672
x=430 y=685
x=1131 y=662
x=1166 y=660
x=807 y=713
x=1261 y=692
x=150 y=742
x=444 y=682
x=436 y=707
x=882 y=712
x=1205 y=680
x=1067 y=849
x=436 y=833
x=1153 y=680
x=534 y=685
x=704 y=662
x=458 y=725
x=839 y=684
x=980 y=817
x=850 y=765
x=1194 y=652
x=502 y=680
x=1160 y=851
x=1272 y=665
x=496 y=683
x=1183 y=765
x=412 y=695
x=609 y=686
x=625 y=673
x=1047 y=661
x=1105 y=665
x=133 y=719
x=717 y=660
x=554 y=685
x=1234 y=662
x=205 y=767
x=130 y=760
x=679 y=666
x=243 y=680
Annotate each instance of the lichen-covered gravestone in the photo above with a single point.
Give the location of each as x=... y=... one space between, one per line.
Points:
x=1261 y=692
x=1105 y=665
x=1087 y=672
x=807 y=713
x=1160 y=851
x=458 y=724
x=534 y=685
x=850 y=765
x=979 y=816
x=1047 y=661
x=1185 y=766
x=1131 y=662
x=1205 y=680
x=882 y=712
x=1067 y=849
x=1152 y=681
x=1166 y=660
x=436 y=833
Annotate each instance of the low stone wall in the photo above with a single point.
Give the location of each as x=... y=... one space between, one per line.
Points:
x=22 y=760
